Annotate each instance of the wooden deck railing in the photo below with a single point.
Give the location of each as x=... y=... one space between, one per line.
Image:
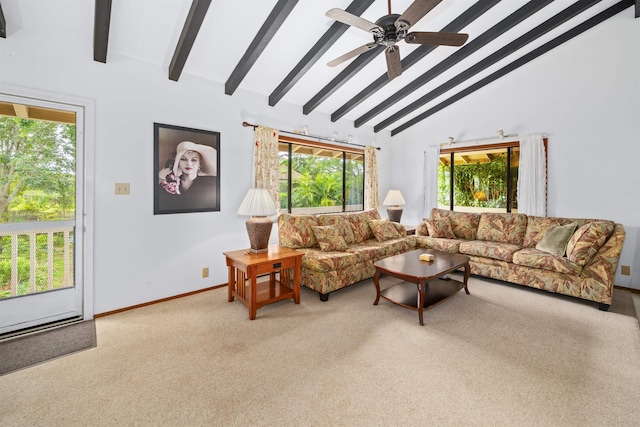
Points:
x=45 y=247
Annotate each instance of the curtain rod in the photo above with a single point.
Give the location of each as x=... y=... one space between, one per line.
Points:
x=477 y=141
x=246 y=124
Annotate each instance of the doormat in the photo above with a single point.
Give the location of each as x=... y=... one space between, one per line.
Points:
x=26 y=350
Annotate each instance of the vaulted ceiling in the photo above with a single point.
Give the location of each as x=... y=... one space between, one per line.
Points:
x=280 y=48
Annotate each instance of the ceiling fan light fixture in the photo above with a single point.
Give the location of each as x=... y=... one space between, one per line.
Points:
x=393 y=28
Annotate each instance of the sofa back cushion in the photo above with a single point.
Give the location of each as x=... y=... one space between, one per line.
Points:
x=587 y=240
x=537 y=226
x=383 y=230
x=440 y=228
x=341 y=222
x=360 y=224
x=295 y=231
x=463 y=224
x=502 y=227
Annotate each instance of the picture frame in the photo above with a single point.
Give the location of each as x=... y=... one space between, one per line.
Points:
x=186 y=170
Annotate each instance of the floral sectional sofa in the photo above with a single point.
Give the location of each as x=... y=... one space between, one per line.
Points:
x=576 y=257
x=340 y=249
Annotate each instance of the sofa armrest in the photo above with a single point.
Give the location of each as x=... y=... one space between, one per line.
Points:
x=602 y=267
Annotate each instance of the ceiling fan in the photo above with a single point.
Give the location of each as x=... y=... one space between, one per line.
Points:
x=392 y=28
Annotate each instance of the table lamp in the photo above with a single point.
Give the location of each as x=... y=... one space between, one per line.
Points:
x=258 y=205
x=394 y=200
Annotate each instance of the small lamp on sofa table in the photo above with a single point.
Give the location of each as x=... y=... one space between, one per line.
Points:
x=394 y=200
x=258 y=205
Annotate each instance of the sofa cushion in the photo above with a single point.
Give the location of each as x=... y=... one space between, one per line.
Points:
x=317 y=260
x=383 y=230
x=493 y=250
x=538 y=225
x=294 y=231
x=502 y=227
x=439 y=228
x=360 y=224
x=587 y=240
x=341 y=222
x=444 y=245
x=329 y=238
x=556 y=238
x=535 y=258
x=463 y=224
x=368 y=252
x=373 y=250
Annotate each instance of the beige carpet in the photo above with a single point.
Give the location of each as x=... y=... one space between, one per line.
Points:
x=504 y=355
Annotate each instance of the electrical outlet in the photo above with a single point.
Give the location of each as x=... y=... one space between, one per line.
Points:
x=123 y=188
x=205 y=272
x=625 y=270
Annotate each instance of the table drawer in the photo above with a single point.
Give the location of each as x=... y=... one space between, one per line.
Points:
x=267 y=267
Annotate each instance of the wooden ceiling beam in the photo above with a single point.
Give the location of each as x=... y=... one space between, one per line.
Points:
x=466 y=18
x=190 y=30
x=101 y=24
x=351 y=70
x=473 y=46
x=540 y=30
x=577 y=30
x=280 y=12
x=320 y=48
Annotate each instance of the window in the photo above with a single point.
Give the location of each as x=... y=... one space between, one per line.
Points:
x=479 y=178
x=320 y=178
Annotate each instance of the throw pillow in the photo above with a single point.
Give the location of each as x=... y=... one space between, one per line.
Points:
x=440 y=227
x=329 y=238
x=383 y=230
x=555 y=239
x=587 y=241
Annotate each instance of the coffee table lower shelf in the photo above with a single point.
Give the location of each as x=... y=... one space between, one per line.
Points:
x=406 y=294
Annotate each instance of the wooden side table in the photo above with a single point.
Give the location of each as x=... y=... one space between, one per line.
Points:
x=411 y=230
x=278 y=262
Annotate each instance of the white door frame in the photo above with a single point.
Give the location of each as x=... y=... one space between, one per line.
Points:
x=85 y=149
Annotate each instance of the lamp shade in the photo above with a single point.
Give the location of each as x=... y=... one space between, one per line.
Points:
x=394 y=198
x=257 y=202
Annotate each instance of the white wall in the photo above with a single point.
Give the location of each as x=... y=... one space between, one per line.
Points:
x=585 y=95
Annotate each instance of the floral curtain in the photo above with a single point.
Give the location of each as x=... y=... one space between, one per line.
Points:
x=430 y=179
x=532 y=176
x=266 y=162
x=371 y=190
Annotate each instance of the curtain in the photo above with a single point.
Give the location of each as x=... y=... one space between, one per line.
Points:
x=371 y=190
x=266 y=166
x=430 y=179
x=532 y=176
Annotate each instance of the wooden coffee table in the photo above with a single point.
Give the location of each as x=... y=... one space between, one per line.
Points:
x=429 y=276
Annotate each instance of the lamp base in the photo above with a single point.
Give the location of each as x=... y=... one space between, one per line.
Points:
x=394 y=214
x=259 y=231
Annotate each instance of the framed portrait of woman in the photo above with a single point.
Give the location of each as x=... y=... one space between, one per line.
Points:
x=186 y=170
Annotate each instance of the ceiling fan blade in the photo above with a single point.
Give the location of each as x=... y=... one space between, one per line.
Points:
x=352 y=54
x=446 y=39
x=353 y=20
x=414 y=13
x=394 y=66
